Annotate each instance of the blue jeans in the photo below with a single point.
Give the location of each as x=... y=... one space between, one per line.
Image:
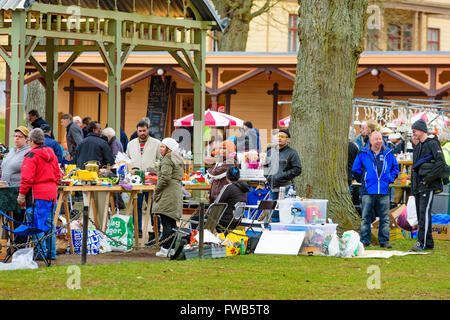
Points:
x=140 y=201
x=381 y=204
x=274 y=196
x=49 y=242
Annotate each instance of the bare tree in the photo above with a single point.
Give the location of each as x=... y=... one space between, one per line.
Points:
x=330 y=43
x=240 y=12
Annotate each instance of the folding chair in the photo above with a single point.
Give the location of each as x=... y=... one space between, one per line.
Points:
x=212 y=217
x=35 y=228
x=238 y=214
x=262 y=220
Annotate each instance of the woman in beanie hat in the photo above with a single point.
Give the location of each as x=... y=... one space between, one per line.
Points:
x=168 y=195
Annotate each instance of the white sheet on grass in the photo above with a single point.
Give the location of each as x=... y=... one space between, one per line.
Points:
x=386 y=254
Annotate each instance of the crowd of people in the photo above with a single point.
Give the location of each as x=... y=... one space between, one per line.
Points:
x=33 y=165
x=373 y=163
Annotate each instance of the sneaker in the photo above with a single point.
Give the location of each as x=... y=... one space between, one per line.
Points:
x=417 y=247
x=386 y=245
x=162 y=253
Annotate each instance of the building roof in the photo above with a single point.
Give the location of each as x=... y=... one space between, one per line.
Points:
x=15 y=4
x=204 y=7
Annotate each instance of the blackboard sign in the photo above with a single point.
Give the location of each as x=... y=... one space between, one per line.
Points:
x=158 y=98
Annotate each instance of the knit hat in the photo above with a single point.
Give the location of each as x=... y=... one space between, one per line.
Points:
x=420 y=125
x=170 y=143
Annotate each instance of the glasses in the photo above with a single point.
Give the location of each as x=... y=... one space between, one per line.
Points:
x=19 y=136
x=282 y=136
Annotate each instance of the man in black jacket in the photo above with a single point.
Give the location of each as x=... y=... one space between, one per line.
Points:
x=282 y=165
x=36 y=120
x=428 y=165
x=94 y=147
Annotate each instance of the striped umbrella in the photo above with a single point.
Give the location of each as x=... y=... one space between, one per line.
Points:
x=285 y=121
x=212 y=119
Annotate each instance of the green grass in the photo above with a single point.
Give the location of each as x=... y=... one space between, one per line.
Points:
x=243 y=277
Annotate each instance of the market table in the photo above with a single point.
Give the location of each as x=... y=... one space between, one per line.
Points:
x=64 y=191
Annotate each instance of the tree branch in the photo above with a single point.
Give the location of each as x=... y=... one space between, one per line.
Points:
x=266 y=7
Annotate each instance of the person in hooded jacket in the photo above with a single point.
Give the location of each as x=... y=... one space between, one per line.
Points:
x=426 y=180
x=168 y=194
x=235 y=191
x=227 y=159
x=41 y=173
x=377 y=167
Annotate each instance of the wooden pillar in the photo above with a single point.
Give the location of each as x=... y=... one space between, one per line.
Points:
x=114 y=78
x=7 y=104
x=51 y=88
x=199 y=99
x=17 y=66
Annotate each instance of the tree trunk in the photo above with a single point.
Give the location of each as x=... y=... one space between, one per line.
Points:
x=35 y=99
x=330 y=43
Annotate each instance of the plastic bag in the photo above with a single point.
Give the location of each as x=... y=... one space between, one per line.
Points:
x=21 y=259
x=333 y=246
x=402 y=220
x=411 y=211
x=104 y=246
x=120 y=228
x=349 y=243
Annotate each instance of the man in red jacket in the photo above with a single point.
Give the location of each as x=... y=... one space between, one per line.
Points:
x=41 y=173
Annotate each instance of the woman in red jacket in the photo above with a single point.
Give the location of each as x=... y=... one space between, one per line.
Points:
x=41 y=173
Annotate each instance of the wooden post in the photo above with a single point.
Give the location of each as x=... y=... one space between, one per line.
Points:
x=51 y=89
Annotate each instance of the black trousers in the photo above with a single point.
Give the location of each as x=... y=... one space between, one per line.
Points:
x=424 y=202
x=168 y=224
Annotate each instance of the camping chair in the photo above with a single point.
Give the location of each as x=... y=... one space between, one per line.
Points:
x=238 y=213
x=260 y=220
x=212 y=217
x=34 y=228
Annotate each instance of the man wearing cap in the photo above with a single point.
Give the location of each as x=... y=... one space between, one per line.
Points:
x=49 y=142
x=398 y=145
x=428 y=166
x=11 y=164
x=282 y=165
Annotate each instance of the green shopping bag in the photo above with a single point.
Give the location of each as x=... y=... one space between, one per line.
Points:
x=120 y=233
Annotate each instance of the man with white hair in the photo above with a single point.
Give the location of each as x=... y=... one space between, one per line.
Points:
x=78 y=121
x=114 y=144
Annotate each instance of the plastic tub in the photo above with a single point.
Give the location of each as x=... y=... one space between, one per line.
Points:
x=315 y=235
x=302 y=211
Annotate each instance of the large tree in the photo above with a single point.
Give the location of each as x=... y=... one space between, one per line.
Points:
x=240 y=13
x=330 y=43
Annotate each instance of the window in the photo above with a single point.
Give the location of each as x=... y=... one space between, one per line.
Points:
x=407 y=37
x=293 y=33
x=394 y=37
x=433 y=39
x=372 y=40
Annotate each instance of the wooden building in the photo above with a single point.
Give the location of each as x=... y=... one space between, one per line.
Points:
x=245 y=85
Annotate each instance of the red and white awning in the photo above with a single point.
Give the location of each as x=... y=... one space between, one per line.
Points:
x=212 y=119
x=285 y=121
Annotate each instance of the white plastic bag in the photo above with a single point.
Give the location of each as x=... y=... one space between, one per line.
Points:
x=349 y=244
x=21 y=259
x=411 y=211
x=333 y=246
x=360 y=250
x=104 y=245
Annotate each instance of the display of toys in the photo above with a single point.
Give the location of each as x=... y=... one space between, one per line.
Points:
x=151 y=179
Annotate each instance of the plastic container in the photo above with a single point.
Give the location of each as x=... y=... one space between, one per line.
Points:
x=209 y=251
x=315 y=235
x=311 y=210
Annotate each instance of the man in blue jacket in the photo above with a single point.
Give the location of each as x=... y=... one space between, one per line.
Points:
x=377 y=167
x=49 y=142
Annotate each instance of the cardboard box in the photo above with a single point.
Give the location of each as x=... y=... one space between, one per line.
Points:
x=394 y=233
x=440 y=231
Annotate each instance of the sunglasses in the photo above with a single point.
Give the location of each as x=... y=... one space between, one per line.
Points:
x=282 y=136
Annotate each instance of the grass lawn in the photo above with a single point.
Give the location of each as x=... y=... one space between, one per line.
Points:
x=246 y=277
